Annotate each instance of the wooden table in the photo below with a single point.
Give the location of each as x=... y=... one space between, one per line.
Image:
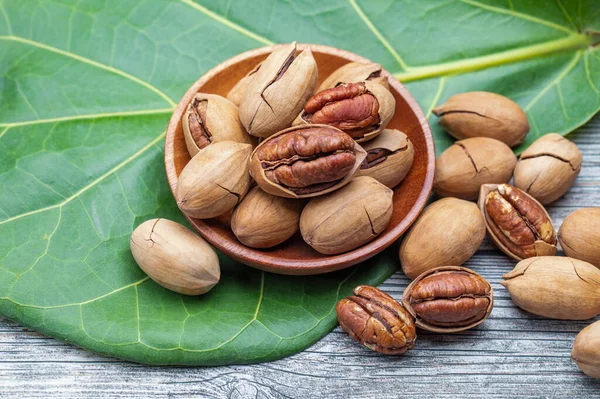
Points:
x=514 y=354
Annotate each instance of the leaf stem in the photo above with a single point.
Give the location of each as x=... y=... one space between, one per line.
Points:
x=571 y=42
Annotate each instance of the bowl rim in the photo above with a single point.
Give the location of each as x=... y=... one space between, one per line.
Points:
x=264 y=260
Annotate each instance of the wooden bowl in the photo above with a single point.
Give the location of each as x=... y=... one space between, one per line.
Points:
x=295 y=256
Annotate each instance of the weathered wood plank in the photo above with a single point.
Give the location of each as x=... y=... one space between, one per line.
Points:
x=513 y=355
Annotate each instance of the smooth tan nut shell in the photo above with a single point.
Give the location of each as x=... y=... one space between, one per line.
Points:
x=548 y=168
x=540 y=246
x=347 y=218
x=387 y=107
x=215 y=180
x=483 y=114
x=271 y=104
x=222 y=120
x=579 y=235
x=453 y=284
x=237 y=92
x=263 y=220
x=467 y=164
x=355 y=72
x=175 y=257
x=448 y=232
x=555 y=287
x=586 y=350
x=396 y=165
x=258 y=173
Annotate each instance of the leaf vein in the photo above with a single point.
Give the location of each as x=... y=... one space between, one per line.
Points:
x=149 y=112
x=565 y=13
x=90 y=185
x=90 y=62
x=561 y=76
x=573 y=42
x=586 y=64
x=437 y=97
x=378 y=35
x=517 y=14
x=228 y=23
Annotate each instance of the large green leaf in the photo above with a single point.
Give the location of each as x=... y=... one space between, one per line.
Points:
x=86 y=90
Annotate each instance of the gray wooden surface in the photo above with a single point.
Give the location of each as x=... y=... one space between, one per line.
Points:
x=514 y=354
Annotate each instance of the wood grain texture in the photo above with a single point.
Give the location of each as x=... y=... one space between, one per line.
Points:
x=512 y=355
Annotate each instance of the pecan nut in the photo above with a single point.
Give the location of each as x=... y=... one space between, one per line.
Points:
x=377 y=321
x=214 y=181
x=483 y=114
x=360 y=109
x=586 y=350
x=210 y=118
x=277 y=91
x=237 y=92
x=518 y=224
x=347 y=218
x=449 y=299
x=355 y=72
x=467 y=164
x=548 y=168
x=389 y=157
x=305 y=161
x=556 y=287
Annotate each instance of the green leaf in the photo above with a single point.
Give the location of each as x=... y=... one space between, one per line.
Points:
x=86 y=91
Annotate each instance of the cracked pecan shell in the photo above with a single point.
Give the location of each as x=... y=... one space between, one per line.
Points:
x=361 y=109
x=548 y=168
x=449 y=299
x=518 y=224
x=355 y=72
x=215 y=180
x=347 y=218
x=483 y=114
x=389 y=157
x=305 y=161
x=210 y=118
x=556 y=287
x=377 y=321
x=467 y=164
x=278 y=90
x=175 y=257
x=237 y=92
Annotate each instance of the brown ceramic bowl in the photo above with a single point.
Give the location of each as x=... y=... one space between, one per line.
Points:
x=294 y=256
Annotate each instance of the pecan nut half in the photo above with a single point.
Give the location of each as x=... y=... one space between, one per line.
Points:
x=360 y=109
x=449 y=299
x=518 y=224
x=305 y=161
x=377 y=321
